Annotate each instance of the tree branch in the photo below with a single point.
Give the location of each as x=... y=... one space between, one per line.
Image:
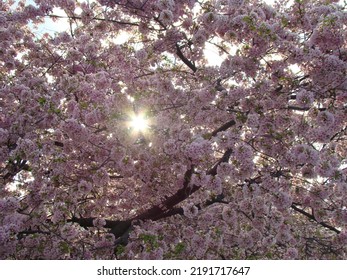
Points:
x=158 y=211
x=310 y=216
x=185 y=60
x=223 y=127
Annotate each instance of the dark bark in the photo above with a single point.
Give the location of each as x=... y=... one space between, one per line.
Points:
x=185 y=60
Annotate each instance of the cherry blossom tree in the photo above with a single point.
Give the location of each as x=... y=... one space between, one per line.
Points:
x=155 y=148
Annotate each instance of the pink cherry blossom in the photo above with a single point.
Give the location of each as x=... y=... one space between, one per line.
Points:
x=240 y=146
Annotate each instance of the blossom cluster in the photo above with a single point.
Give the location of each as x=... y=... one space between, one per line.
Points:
x=244 y=151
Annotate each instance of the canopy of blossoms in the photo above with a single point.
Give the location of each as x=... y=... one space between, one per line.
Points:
x=155 y=148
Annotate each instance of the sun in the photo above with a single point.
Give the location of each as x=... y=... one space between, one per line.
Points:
x=139 y=123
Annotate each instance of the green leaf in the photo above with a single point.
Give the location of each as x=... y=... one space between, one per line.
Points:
x=120 y=249
x=42 y=101
x=64 y=247
x=179 y=248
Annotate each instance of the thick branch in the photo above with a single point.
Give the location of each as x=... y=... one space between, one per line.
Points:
x=158 y=211
x=118 y=228
x=225 y=158
x=297 y=108
x=185 y=60
x=223 y=127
